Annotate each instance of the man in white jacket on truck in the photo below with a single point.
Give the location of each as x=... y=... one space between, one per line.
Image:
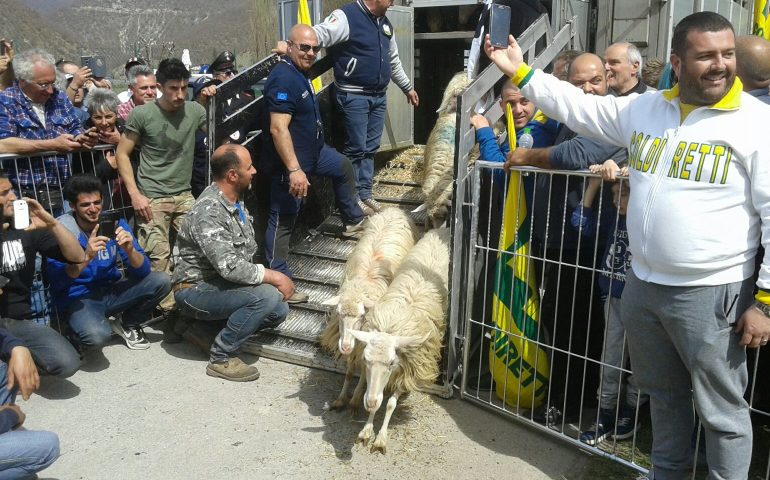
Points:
x=700 y=177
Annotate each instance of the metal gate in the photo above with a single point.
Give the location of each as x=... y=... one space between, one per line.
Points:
x=570 y=333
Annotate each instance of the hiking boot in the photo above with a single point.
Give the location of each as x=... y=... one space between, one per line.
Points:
x=353 y=230
x=133 y=335
x=170 y=334
x=626 y=426
x=601 y=430
x=234 y=370
x=368 y=211
x=298 y=297
x=373 y=204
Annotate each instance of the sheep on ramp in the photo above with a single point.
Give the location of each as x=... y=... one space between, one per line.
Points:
x=387 y=239
x=440 y=153
x=406 y=330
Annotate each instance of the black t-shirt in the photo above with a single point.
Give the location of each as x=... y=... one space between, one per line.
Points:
x=18 y=265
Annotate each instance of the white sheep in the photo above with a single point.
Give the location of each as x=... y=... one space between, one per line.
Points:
x=440 y=153
x=406 y=330
x=387 y=239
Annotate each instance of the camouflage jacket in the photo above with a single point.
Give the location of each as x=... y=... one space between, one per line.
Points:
x=214 y=243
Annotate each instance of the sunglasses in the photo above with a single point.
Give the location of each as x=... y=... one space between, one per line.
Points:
x=305 y=48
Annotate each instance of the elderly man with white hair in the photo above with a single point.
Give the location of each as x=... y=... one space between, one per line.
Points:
x=623 y=63
x=36 y=117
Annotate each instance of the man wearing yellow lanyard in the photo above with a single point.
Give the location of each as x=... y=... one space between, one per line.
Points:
x=700 y=183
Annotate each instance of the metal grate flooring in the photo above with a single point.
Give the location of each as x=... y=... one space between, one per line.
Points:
x=326 y=246
x=316 y=269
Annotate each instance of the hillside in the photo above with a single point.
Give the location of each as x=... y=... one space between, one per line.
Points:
x=30 y=28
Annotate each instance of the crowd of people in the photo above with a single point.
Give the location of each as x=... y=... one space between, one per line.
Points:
x=103 y=222
x=96 y=259
x=678 y=282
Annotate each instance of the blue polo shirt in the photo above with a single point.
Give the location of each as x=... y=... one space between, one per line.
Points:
x=287 y=90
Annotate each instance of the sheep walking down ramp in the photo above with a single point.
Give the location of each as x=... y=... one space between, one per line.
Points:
x=405 y=331
x=440 y=153
x=387 y=239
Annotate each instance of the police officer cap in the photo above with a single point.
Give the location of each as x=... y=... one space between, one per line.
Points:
x=225 y=62
x=133 y=61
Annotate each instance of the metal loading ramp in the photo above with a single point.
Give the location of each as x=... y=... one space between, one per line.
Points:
x=318 y=263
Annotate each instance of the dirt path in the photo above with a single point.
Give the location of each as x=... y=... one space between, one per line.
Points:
x=155 y=414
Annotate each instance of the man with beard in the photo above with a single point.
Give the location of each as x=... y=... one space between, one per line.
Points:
x=623 y=63
x=164 y=131
x=216 y=277
x=88 y=293
x=700 y=183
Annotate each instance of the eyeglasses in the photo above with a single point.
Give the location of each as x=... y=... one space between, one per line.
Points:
x=43 y=86
x=227 y=73
x=305 y=48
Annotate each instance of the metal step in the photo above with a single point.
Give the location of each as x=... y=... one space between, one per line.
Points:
x=316 y=270
x=402 y=183
x=325 y=246
x=399 y=194
x=333 y=223
x=318 y=293
x=298 y=352
x=302 y=324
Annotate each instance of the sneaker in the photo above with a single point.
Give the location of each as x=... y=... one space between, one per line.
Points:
x=234 y=370
x=353 y=230
x=601 y=430
x=626 y=426
x=368 y=211
x=133 y=335
x=298 y=297
x=373 y=204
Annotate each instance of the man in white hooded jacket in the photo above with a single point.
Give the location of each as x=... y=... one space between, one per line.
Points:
x=700 y=177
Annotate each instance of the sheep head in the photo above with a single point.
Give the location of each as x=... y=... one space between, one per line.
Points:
x=381 y=359
x=349 y=319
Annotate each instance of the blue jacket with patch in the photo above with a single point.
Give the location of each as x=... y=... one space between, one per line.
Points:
x=101 y=273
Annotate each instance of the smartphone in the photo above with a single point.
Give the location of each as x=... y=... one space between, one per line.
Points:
x=107 y=226
x=98 y=66
x=3 y=48
x=499 y=25
x=20 y=214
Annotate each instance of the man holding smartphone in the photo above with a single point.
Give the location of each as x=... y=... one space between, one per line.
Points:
x=53 y=354
x=113 y=280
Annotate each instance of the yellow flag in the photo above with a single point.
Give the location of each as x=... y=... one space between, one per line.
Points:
x=303 y=17
x=761 y=14
x=519 y=365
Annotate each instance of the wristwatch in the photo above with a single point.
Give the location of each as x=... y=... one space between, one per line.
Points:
x=762 y=307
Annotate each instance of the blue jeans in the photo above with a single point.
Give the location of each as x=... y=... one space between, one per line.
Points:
x=133 y=298
x=23 y=452
x=284 y=207
x=52 y=353
x=364 y=120
x=247 y=308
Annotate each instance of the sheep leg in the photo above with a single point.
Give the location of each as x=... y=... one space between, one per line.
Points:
x=342 y=399
x=358 y=393
x=380 y=443
x=367 y=432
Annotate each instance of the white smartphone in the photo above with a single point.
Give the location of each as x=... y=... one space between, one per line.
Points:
x=20 y=214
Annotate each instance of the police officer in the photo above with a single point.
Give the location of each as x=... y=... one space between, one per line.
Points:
x=295 y=149
x=223 y=67
x=360 y=39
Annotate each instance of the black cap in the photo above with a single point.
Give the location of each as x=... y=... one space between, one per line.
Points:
x=134 y=61
x=202 y=83
x=225 y=62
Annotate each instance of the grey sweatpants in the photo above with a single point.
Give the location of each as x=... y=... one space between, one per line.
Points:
x=614 y=354
x=683 y=350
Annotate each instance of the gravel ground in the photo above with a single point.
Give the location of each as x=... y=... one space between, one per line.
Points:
x=155 y=414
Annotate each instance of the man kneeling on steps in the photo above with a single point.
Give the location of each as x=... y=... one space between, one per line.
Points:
x=216 y=278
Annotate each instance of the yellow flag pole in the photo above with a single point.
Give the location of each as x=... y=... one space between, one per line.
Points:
x=303 y=17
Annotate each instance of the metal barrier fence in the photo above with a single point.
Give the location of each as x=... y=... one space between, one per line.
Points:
x=56 y=168
x=551 y=366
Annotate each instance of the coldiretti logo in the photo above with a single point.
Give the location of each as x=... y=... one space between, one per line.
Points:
x=700 y=162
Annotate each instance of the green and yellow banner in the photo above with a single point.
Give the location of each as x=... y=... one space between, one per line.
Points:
x=761 y=13
x=303 y=17
x=519 y=366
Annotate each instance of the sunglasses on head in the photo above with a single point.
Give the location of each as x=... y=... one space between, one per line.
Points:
x=304 y=47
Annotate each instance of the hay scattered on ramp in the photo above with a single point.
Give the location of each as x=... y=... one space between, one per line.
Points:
x=406 y=166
